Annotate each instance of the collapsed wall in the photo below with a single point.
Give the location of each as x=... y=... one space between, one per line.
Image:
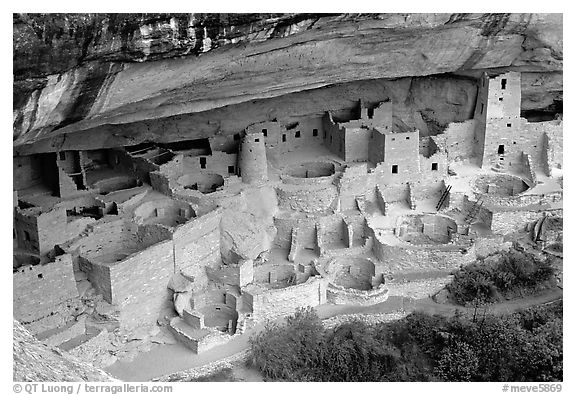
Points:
x=38 y=290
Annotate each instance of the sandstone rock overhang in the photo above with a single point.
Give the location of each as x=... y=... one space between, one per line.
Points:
x=332 y=50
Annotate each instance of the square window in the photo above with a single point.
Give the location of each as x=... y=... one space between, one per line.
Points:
x=230 y=169
x=434 y=166
x=256 y=140
x=407 y=138
x=297 y=134
x=265 y=132
x=202 y=163
x=394 y=169
x=508 y=125
x=62 y=155
x=314 y=132
x=500 y=99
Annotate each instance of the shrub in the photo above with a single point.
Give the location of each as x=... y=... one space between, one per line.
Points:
x=505 y=274
x=291 y=351
x=353 y=353
x=523 y=346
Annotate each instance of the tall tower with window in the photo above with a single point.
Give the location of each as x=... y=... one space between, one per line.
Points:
x=252 y=162
x=497 y=117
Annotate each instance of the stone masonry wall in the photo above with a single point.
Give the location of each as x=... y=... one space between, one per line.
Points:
x=505 y=222
x=460 y=140
x=139 y=284
x=274 y=303
x=197 y=245
x=339 y=295
x=37 y=290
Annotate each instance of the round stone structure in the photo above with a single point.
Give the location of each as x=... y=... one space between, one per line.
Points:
x=351 y=272
x=202 y=182
x=500 y=185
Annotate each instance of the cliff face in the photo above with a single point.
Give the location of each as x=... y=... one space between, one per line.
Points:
x=34 y=361
x=96 y=80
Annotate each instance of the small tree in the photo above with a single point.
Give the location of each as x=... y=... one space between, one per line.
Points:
x=291 y=351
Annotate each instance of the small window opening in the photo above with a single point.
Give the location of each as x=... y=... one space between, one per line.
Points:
x=434 y=166
x=236 y=137
x=283 y=138
x=202 y=163
x=297 y=134
x=503 y=83
x=230 y=169
x=265 y=132
x=26 y=236
x=394 y=169
x=315 y=132
x=62 y=155
x=393 y=138
x=481 y=108
x=40 y=275
x=256 y=140
x=407 y=138
x=508 y=125
x=500 y=99
x=501 y=149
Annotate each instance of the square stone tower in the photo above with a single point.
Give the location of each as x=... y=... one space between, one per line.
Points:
x=498 y=119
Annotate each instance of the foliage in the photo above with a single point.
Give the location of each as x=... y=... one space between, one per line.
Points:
x=352 y=353
x=523 y=346
x=505 y=274
x=292 y=351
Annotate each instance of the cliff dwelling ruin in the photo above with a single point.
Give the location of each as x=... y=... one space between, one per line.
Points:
x=201 y=237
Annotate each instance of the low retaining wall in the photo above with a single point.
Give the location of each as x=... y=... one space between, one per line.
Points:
x=339 y=295
x=272 y=303
x=418 y=289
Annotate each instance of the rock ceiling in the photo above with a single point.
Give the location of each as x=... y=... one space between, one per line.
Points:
x=102 y=80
